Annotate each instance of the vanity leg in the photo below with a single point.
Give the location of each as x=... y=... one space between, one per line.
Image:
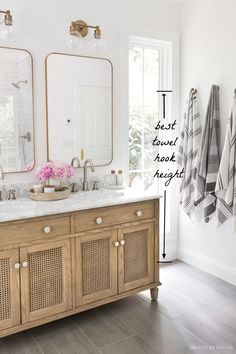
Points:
x=154 y=294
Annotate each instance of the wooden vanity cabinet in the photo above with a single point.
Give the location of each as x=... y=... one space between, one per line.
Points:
x=35 y=282
x=95 y=266
x=65 y=264
x=136 y=254
x=113 y=262
x=45 y=276
x=9 y=289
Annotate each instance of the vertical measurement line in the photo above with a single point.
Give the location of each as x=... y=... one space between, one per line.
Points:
x=164 y=228
x=164 y=105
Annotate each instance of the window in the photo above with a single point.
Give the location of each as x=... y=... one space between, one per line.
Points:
x=149 y=70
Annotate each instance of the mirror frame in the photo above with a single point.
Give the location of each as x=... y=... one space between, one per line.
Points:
x=112 y=101
x=33 y=108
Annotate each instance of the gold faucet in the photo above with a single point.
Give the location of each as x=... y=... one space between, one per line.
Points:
x=86 y=163
x=1 y=172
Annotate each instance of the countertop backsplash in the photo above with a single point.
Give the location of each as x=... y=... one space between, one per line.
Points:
x=23 y=188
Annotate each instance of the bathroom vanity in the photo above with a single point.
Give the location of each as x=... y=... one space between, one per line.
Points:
x=60 y=258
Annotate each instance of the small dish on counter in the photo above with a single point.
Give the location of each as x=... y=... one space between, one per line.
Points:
x=49 y=189
x=60 y=193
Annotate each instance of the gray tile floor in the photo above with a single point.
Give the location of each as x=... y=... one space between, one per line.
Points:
x=195 y=314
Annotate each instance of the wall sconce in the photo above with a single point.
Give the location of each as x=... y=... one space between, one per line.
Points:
x=79 y=29
x=7 y=29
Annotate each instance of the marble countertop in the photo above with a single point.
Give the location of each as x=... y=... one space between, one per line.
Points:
x=24 y=208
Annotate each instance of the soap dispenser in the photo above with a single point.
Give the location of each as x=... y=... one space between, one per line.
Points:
x=120 y=178
x=112 y=178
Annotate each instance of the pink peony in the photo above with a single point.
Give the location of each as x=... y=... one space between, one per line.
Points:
x=60 y=170
x=30 y=166
x=46 y=172
x=55 y=170
x=69 y=171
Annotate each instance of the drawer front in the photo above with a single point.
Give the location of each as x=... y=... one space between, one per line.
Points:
x=33 y=230
x=103 y=217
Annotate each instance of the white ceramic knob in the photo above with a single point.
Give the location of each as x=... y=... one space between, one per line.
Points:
x=47 y=229
x=25 y=264
x=17 y=266
x=99 y=221
x=139 y=213
x=122 y=242
x=117 y=243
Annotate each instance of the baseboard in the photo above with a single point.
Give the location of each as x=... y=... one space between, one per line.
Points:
x=171 y=249
x=207 y=264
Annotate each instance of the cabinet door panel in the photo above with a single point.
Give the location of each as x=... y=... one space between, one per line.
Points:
x=96 y=266
x=9 y=289
x=45 y=280
x=136 y=256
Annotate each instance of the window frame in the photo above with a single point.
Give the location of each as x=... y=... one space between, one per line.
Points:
x=125 y=34
x=165 y=76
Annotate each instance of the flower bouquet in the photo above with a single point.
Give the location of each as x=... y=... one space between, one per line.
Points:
x=50 y=173
x=55 y=171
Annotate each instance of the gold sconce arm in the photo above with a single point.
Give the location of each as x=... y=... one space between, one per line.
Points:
x=7 y=18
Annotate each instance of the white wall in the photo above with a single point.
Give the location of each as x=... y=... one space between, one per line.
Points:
x=208 y=56
x=43 y=27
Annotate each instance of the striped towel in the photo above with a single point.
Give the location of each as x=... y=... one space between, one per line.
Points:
x=226 y=180
x=208 y=157
x=187 y=151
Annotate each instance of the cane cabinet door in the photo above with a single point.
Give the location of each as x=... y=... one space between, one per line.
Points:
x=136 y=256
x=96 y=266
x=45 y=280
x=9 y=289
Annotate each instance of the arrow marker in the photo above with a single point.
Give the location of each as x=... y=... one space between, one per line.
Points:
x=164 y=105
x=164 y=228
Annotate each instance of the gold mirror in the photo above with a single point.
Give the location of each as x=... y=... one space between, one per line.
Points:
x=16 y=110
x=79 y=108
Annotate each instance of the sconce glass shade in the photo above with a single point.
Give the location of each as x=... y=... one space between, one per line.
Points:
x=98 y=44
x=8 y=34
x=74 y=41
